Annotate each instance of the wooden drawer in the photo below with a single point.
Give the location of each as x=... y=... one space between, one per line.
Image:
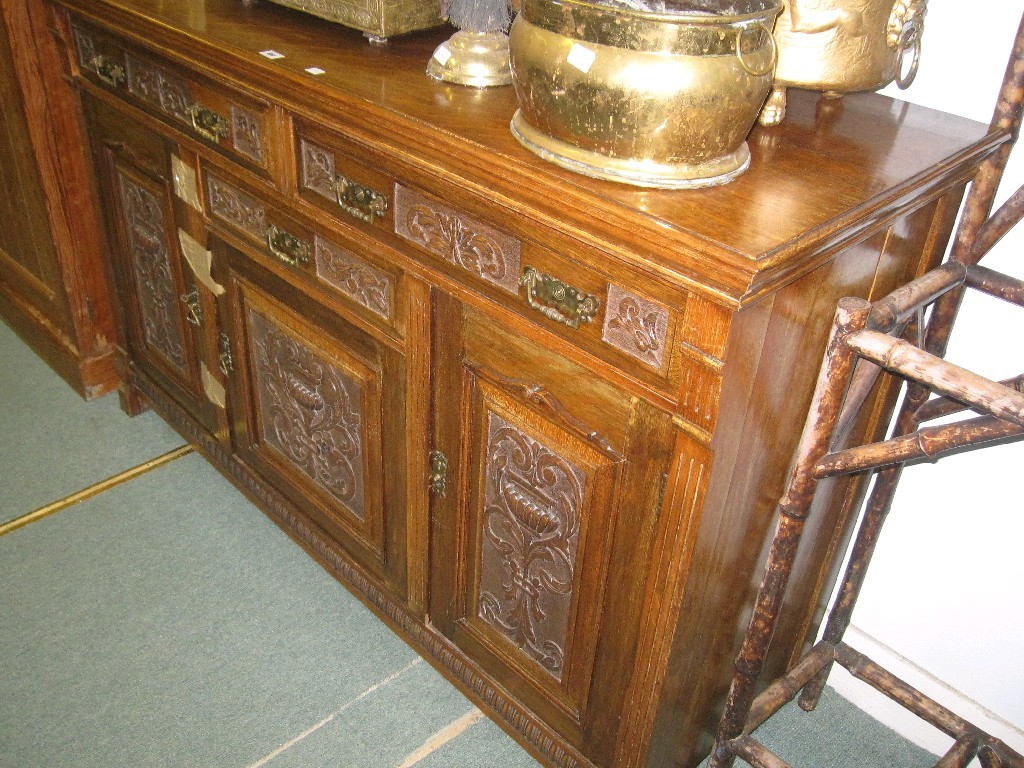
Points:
x=364 y=285
x=628 y=321
x=238 y=125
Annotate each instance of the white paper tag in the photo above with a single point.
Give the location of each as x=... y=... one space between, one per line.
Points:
x=315 y=70
x=270 y=53
x=442 y=55
x=581 y=57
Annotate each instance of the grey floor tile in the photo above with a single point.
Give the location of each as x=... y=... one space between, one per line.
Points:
x=483 y=745
x=381 y=730
x=167 y=622
x=53 y=443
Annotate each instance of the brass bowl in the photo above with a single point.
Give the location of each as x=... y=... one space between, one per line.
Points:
x=838 y=46
x=650 y=99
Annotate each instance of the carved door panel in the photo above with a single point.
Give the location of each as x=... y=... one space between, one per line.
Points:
x=319 y=411
x=545 y=473
x=168 y=315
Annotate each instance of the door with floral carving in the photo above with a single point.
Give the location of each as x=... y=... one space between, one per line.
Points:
x=169 y=316
x=540 y=470
x=318 y=410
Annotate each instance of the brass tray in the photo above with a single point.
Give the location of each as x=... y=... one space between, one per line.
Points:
x=378 y=19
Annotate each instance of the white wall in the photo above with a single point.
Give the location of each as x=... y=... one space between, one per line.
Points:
x=945 y=588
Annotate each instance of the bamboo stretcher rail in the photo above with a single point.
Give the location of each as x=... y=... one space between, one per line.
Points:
x=929 y=443
x=945 y=406
x=901 y=357
x=996 y=284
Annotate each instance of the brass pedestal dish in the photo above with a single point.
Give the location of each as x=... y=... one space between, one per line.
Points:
x=840 y=46
x=650 y=99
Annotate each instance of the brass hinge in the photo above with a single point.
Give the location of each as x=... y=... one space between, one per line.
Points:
x=438 y=473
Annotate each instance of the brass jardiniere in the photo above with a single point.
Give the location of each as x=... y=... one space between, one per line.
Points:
x=651 y=99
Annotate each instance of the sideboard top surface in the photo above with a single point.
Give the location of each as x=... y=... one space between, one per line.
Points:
x=833 y=169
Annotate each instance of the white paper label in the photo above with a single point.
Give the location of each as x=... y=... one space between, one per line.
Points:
x=270 y=53
x=315 y=70
x=442 y=55
x=581 y=57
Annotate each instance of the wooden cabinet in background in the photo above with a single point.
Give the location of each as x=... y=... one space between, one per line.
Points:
x=537 y=422
x=53 y=283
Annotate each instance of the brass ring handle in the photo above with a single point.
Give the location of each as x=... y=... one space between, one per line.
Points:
x=756 y=72
x=558 y=301
x=910 y=39
x=286 y=247
x=107 y=70
x=358 y=200
x=208 y=123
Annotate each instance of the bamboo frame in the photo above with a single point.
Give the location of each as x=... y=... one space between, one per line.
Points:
x=888 y=337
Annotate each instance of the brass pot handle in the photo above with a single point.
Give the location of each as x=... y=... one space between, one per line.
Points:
x=286 y=247
x=755 y=72
x=558 y=301
x=910 y=39
x=358 y=200
x=208 y=123
x=107 y=70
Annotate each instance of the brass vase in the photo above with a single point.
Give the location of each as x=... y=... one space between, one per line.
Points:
x=839 y=46
x=650 y=99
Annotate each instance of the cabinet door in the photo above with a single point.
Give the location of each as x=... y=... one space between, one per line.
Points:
x=168 y=315
x=318 y=408
x=549 y=477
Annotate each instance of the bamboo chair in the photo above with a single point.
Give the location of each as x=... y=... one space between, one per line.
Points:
x=888 y=337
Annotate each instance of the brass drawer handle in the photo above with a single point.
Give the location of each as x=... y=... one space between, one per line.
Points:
x=286 y=247
x=208 y=123
x=358 y=200
x=558 y=301
x=107 y=70
x=193 y=309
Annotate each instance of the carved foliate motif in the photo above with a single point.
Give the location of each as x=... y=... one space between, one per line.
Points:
x=354 y=277
x=311 y=412
x=318 y=170
x=86 y=47
x=635 y=325
x=150 y=255
x=528 y=543
x=246 y=135
x=458 y=239
x=143 y=81
x=236 y=207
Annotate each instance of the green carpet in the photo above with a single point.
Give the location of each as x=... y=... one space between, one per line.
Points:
x=53 y=442
x=168 y=623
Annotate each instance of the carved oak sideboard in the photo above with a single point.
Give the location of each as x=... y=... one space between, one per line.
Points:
x=536 y=422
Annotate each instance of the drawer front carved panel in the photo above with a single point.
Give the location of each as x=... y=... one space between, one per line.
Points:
x=247 y=134
x=530 y=534
x=311 y=412
x=236 y=208
x=155 y=286
x=636 y=326
x=458 y=239
x=355 y=277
